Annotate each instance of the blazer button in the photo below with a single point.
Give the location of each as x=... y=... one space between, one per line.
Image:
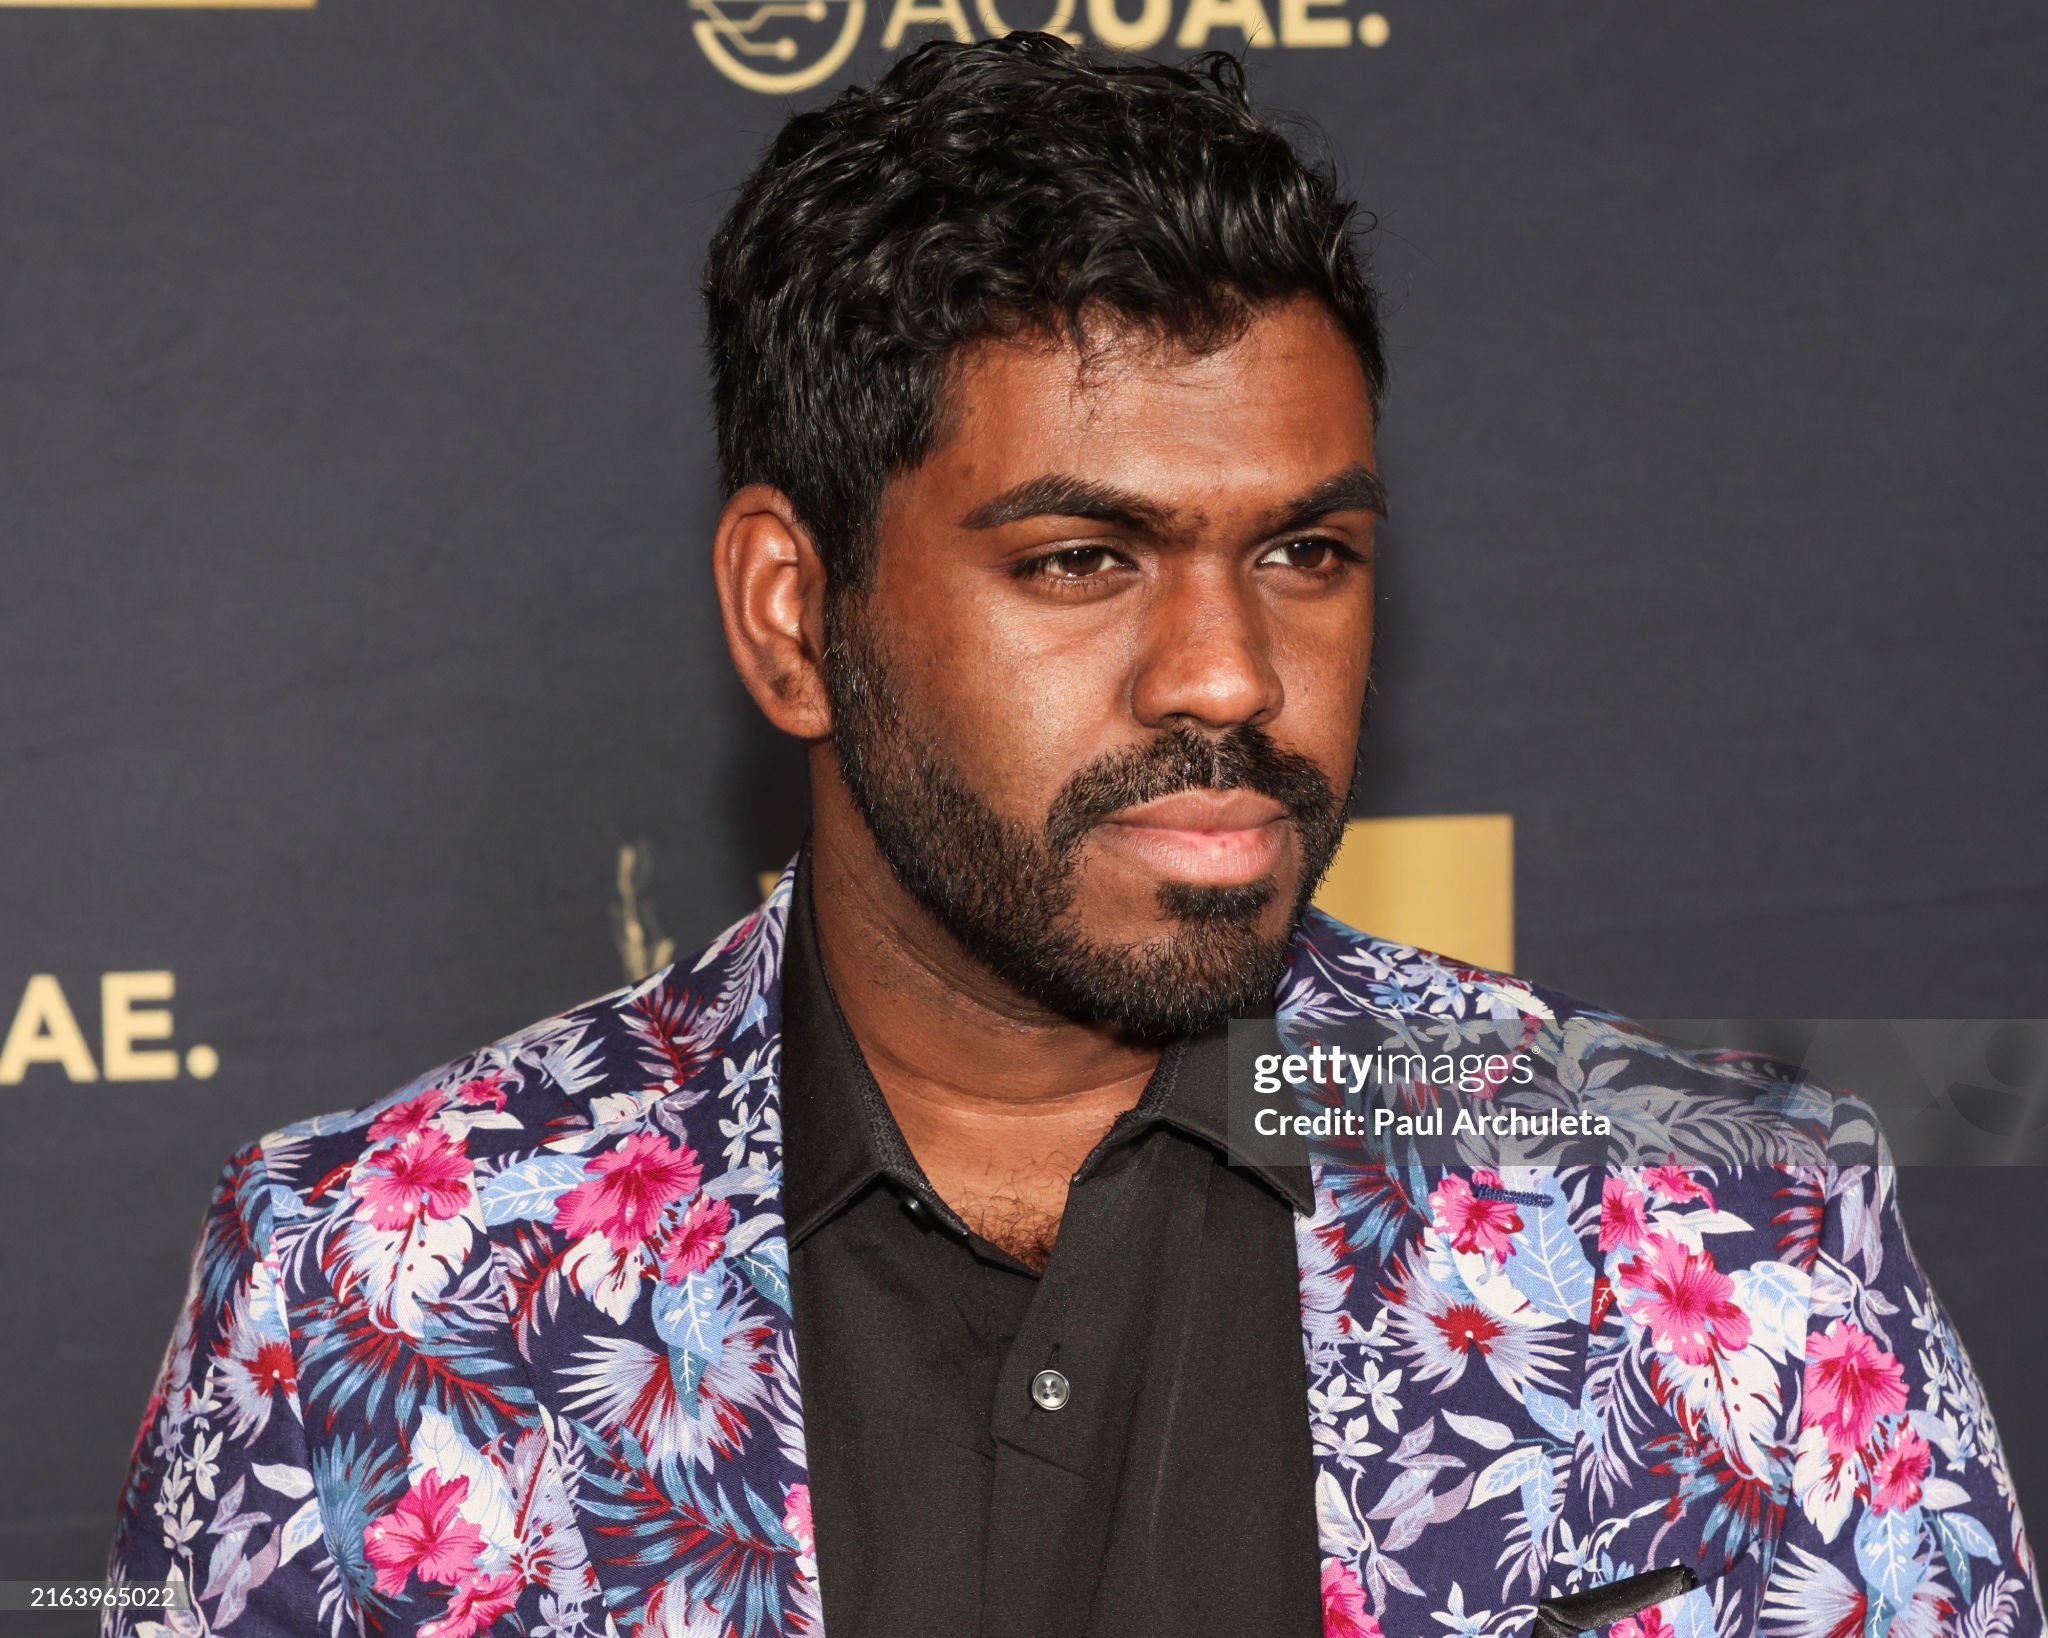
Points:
x=1049 y=1390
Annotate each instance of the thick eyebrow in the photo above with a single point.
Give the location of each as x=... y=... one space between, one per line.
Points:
x=1056 y=494
x=1356 y=489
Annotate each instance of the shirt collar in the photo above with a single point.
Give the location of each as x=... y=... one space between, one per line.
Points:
x=1197 y=1101
x=837 y=1132
x=839 y=1135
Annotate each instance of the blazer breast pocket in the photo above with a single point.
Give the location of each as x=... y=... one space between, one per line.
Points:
x=1675 y=1601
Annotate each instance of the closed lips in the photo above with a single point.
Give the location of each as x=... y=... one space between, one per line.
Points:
x=1203 y=836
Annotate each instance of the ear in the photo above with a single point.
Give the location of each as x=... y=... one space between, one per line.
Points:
x=771 y=596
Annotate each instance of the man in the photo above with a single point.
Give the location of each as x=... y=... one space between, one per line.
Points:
x=894 y=1267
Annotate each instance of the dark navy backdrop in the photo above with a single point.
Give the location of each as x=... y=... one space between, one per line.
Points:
x=354 y=492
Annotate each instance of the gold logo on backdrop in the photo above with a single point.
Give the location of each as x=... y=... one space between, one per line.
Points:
x=792 y=45
x=642 y=948
x=135 y=1033
x=778 y=45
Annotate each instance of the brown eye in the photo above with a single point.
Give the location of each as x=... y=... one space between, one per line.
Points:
x=1313 y=555
x=1075 y=563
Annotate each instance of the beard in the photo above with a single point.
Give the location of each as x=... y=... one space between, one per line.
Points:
x=1005 y=891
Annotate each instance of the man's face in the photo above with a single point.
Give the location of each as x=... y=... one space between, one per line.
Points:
x=1099 y=704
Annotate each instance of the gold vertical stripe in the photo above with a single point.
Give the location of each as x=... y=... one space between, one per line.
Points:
x=1444 y=882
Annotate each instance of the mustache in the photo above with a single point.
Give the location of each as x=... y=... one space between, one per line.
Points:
x=1184 y=759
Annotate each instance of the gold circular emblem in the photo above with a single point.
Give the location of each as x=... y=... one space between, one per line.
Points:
x=778 y=45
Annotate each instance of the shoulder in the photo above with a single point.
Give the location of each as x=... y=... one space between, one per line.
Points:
x=1710 y=1105
x=1338 y=969
x=595 y=1065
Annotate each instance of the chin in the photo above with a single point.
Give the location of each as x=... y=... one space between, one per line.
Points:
x=1153 y=969
x=1163 y=919
x=1258 y=905
x=1119 y=902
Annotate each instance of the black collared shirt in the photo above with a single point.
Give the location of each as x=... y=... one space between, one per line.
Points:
x=1171 y=1492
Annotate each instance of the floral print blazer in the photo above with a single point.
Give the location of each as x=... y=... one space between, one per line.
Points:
x=509 y=1352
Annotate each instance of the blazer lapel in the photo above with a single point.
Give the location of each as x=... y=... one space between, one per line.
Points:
x=648 y=1278
x=1443 y=1379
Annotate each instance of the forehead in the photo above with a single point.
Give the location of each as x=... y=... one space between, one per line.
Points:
x=1280 y=405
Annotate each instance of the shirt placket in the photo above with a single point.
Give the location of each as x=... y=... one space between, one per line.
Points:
x=1066 y=1387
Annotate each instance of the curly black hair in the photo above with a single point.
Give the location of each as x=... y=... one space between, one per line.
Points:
x=985 y=189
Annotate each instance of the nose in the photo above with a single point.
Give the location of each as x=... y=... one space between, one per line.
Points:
x=1206 y=657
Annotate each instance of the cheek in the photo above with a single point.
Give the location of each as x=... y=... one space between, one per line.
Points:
x=1020 y=709
x=1324 y=666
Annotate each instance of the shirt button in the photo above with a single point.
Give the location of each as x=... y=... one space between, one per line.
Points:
x=1049 y=1390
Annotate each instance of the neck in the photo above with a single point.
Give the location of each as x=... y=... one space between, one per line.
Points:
x=1000 y=1099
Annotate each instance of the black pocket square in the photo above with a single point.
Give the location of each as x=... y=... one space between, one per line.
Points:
x=1573 y=1613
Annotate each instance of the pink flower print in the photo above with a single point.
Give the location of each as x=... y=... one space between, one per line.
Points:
x=1685 y=1301
x=1621 y=1216
x=1344 y=1611
x=424 y=1533
x=1850 y=1383
x=424 y=1174
x=1471 y=1223
x=1650 y=1624
x=477 y=1604
x=410 y=1116
x=698 y=1240
x=625 y=1192
x=1674 y=1183
x=796 y=1518
x=485 y=1088
x=1895 y=1476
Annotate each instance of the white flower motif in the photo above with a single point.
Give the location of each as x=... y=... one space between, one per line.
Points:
x=1380 y=1389
x=206 y=1462
x=179 y=1531
x=1327 y=1404
x=1455 y=1616
x=1351 y=1444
